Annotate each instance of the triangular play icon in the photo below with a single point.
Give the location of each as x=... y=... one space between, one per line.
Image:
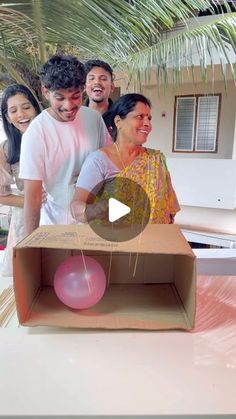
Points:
x=116 y=209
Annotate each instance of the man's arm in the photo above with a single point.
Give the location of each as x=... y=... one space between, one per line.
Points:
x=32 y=204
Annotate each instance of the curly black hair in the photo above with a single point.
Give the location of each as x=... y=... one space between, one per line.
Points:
x=98 y=63
x=62 y=72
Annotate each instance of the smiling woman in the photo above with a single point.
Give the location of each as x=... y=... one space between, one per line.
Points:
x=126 y=158
x=20 y=112
x=18 y=109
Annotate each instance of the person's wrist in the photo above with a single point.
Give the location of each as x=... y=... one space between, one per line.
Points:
x=78 y=210
x=84 y=217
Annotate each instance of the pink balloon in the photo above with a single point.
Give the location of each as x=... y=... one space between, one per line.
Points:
x=78 y=287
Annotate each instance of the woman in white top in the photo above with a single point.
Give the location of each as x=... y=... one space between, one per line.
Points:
x=18 y=108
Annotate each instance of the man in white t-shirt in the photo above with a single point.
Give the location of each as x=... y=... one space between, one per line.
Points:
x=57 y=142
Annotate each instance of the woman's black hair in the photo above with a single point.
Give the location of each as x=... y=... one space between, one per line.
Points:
x=12 y=133
x=124 y=105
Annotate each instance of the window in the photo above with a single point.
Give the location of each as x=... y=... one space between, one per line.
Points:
x=196 y=123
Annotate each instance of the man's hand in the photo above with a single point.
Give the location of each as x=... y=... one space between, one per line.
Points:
x=98 y=210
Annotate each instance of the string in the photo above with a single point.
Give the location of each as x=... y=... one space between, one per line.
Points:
x=84 y=263
x=119 y=155
x=144 y=213
x=70 y=252
x=132 y=224
x=110 y=259
x=143 y=218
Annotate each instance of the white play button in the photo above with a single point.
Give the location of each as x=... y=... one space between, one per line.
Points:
x=123 y=210
x=116 y=210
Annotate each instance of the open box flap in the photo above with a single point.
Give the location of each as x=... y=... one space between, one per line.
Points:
x=156 y=238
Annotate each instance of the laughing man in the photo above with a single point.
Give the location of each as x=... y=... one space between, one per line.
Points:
x=99 y=85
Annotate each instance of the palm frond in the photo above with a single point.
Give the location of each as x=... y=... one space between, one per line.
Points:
x=132 y=35
x=191 y=47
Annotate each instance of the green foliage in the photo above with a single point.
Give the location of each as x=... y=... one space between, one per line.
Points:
x=132 y=35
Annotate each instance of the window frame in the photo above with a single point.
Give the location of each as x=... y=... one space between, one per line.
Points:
x=196 y=116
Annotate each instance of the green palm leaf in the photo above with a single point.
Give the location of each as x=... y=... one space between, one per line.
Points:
x=132 y=35
x=180 y=50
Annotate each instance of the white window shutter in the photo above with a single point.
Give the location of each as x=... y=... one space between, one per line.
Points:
x=184 y=123
x=207 y=117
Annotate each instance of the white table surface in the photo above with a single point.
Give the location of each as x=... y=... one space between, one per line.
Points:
x=62 y=372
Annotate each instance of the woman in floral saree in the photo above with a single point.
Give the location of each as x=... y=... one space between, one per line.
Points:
x=126 y=158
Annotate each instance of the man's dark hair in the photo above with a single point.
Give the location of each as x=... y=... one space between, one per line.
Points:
x=62 y=72
x=98 y=63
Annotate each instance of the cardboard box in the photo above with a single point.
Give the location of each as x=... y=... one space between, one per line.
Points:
x=161 y=294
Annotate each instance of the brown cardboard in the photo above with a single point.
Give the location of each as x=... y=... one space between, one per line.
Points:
x=161 y=294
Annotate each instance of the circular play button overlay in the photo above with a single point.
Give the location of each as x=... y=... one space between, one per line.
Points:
x=120 y=210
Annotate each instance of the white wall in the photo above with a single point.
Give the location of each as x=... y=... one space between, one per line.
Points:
x=161 y=136
x=204 y=182
x=207 y=220
x=162 y=133
x=234 y=146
